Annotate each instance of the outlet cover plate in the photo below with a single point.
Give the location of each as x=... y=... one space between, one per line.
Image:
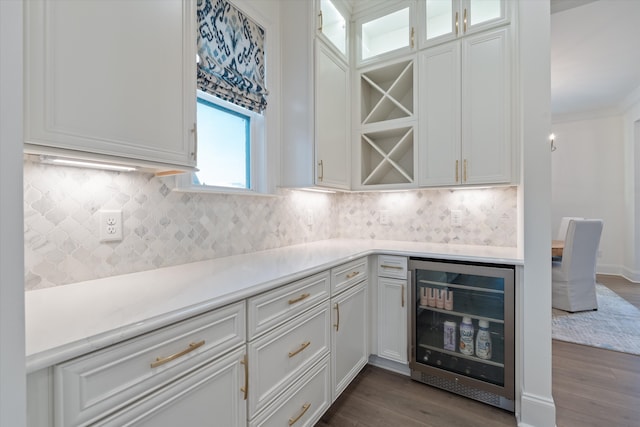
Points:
x=110 y=225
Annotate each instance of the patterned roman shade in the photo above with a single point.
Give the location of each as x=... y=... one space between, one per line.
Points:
x=231 y=55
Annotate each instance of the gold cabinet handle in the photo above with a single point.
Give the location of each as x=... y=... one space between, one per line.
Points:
x=321 y=23
x=402 y=296
x=352 y=274
x=245 y=389
x=194 y=153
x=457 y=175
x=337 y=324
x=300 y=298
x=321 y=168
x=394 y=267
x=465 y=21
x=162 y=360
x=457 y=24
x=465 y=171
x=413 y=37
x=302 y=347
x=305 y=407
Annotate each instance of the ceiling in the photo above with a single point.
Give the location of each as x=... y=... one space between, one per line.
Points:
x=595 y=61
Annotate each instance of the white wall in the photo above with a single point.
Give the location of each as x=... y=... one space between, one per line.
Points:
x=587 y=177
x=12 y=353
x=631 y=193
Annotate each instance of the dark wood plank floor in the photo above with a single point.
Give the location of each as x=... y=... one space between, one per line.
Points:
x=592 y=387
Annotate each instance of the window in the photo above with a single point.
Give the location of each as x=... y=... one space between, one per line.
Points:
x=224 y=145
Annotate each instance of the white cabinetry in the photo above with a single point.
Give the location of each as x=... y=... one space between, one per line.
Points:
x=387 y=30
x=465 y=111
x=349 y=338
x=392 y=308
x=446 y=20
x=111 y=80
x=210 y=393
x=315 y=99
x=289 y=336
x=158 y=370
x=387 y=145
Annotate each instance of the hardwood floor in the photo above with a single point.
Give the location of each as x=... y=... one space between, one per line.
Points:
x=592 y=387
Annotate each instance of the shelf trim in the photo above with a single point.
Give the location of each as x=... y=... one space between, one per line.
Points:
x=461 y=314
x=463 y=356
x=466 y=287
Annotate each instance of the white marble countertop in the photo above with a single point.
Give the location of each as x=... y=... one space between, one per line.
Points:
x=67 y=321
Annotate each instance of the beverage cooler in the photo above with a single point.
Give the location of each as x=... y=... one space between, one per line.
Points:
x=462 y=329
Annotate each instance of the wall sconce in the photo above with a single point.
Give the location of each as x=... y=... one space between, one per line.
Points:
x=552 y=137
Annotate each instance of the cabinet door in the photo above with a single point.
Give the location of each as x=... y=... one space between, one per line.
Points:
x=392 y=319
x=386 y=33
x=111 y=78
x=211 y=395
x=486 y=107
x=446 y=20
x=349 y=349
x=440 y=115
x=333 y=27
x=331 y=119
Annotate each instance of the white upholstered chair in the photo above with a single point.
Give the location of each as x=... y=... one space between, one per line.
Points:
x=564 y=225
x=574 y=277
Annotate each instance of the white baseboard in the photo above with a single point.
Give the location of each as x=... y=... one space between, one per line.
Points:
x=537 y=411
x=618 y=270
x=389 y=365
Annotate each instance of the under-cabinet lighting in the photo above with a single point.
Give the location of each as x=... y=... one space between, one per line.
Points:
x=85 y=164
x=316 y=190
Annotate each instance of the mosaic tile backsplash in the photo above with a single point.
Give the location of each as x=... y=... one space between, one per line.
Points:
x=164 y=227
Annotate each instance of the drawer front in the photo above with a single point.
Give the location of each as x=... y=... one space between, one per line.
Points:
x=347 y=275
x=92 y=386
x=188 y=401
x=275 y=307
x=278 y=358
x=303 y=404
x=392 y=266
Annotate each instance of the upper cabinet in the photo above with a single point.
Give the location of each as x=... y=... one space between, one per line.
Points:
x=332 y=26
x=111 y=80
x=446 y=20
x=316 y=149
x=387 y=32
x=465 y=107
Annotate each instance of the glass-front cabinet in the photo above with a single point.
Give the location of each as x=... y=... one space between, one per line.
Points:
x=390 y=32
x=333 y=25
x=463 y=329
x=448 y=19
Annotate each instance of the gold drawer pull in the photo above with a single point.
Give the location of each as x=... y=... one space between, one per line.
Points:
x=302 y=347
x=352 y=274
x=395 y=267
x=245 y=389
x=162 y=360
x=305 y=407
x=300 y=298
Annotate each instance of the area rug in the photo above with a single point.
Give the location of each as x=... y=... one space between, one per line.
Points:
x=614 y=326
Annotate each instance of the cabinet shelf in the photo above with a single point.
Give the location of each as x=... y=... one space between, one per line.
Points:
x=387 y=157
x=387 y=93
x=461 y=314
x=462 y=356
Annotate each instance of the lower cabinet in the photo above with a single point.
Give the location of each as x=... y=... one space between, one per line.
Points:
x=392 y=313
x=304 y=403
x=211 y=394
x=392 y=319
x=349 y=344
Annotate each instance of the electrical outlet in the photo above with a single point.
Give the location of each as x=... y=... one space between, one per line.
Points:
x=110 y=225
x=456 y=218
